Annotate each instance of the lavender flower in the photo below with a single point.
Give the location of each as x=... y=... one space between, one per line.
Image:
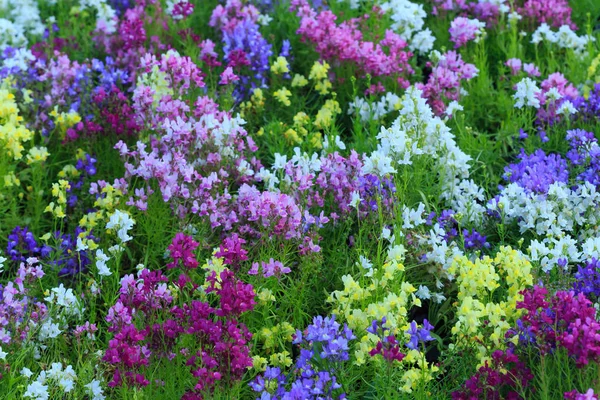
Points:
x=537 y=171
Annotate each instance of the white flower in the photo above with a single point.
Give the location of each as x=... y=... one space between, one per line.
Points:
x=65 y=298
x=553 y=94
x=423 y=293
x=422 y=41
x=438 y=298
x=37 y=391
x=452 y=107
x=386 y=234
x=339 y=143
x=122 y=223
x=2 y=259
x=81 y=245
x=379 y=164
x=355 y=201
x=26 y=372
x=264 y=19
x=49 y=330
x=366 y=264
x=101 y=259
x=3 y=354
x=280 y=161
x=526 y=94
x=566 y=108
x=95 y=390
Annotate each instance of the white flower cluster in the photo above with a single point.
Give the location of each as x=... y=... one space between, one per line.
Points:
x=564 y=38
x=106 y=16
x=527 y=94
x=19 y=18
x=565 y=221
x=121 y=223
x=66 y=301
x=408 y=20
x=374 y=111
x=55 y=377
x=417 y=132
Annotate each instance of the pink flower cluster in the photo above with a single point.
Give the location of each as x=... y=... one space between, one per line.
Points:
x=147 y=325
x=516 y=64
x=502 y=378
x=344 y=43
x=553 y=12
x=227 y=17
x=566 y=319
x=271 y=268
x=444 y=83
x=463 y=30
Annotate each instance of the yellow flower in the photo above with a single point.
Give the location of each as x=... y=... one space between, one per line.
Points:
x=11 y=180
x=37 y=154
x=317 y=141
x=280 y=66
x=292 y=136
x=324 y=118
x=283 y=95
x=259 y=363
x=319 y=71
x=282 y=359
x=323 y=86
x=265 y=296
x=299 y=81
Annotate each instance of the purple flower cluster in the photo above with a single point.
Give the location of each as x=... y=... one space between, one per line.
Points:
x=372 y=188
x=419 y=335
x=474 y=240
x=23 y=245
x=271 y=268
x=575 y=395
x=537 y=171
x=584 y=154
x=148 y=325
x=588 y=279
x=501 y=378
x=18 y=309
x=324 y=344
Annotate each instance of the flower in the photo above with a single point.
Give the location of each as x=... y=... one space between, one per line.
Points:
x=527 y=94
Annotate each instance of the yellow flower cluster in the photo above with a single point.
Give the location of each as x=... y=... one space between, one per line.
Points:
x=37 y=155
x=327 y=114
x=593 y=76
x=256 y=103
x=488 y=291
x=382 y=293
x=318 y=73
x=280 y=66
x=214 y=264
x=299 y=81
x=275 y=340
x=283 y=96
x=157 y=81
x=109 y=199
x=64 y=121
x=59 y=192
x=13 y=132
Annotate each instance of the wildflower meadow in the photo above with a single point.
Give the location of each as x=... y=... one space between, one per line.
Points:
x=299 y=199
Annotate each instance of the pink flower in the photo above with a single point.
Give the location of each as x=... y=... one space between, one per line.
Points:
x=515 y=65
x=463 y=30
x=228 y=77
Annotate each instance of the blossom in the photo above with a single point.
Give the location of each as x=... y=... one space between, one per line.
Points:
x=527 y=94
